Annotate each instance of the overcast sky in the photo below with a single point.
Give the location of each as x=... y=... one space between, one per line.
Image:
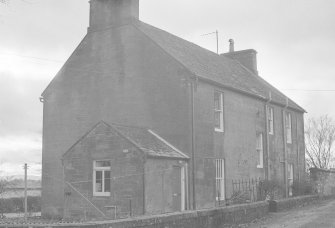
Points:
x=295 y=41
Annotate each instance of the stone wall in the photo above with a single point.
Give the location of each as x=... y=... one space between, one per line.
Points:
x=126 y=180
x=288 y=203
x=210 y=218
x=323 y=181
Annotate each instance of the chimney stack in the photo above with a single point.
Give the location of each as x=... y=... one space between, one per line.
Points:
x=231 y=45
x=107 y=13
x=246 y=57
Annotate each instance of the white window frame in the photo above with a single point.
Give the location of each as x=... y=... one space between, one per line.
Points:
x=288 y=127
x=220 y=111
x=270 y=120
x=103 y=169
x=290 y=174
x=220 y=179
x=259 y=150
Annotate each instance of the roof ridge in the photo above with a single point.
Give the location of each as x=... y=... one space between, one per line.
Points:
x=159 y=46
x=268 y=84
x=258 y=87
x=184 y=66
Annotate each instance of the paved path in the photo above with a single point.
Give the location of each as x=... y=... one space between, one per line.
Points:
x=312 y=216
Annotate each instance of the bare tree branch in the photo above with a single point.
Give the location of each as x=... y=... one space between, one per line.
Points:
x=320 y=138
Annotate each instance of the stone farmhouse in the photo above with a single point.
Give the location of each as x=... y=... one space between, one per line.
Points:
x=140 y=121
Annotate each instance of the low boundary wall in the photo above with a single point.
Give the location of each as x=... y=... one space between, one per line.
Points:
x=210 y=218
x=288 y=203
x=323 y=180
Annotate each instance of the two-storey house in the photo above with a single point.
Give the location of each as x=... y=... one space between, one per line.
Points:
x=140 y=121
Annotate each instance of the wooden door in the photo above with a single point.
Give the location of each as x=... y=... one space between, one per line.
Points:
x=176 y=189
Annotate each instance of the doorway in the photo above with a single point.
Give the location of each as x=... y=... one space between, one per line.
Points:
x=179 y=188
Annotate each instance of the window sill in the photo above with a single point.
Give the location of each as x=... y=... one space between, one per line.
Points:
x=219 y=130
x=101 y=194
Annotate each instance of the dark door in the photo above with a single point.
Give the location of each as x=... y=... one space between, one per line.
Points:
x=176 y=189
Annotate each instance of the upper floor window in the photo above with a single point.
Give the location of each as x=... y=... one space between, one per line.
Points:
x=259 y=150
x=101 y=178
x=218 y=111
x=288 y=126
x=270 y=120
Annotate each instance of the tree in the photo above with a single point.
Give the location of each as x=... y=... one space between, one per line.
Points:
x=4 y=187
x=4 y=184
x=320 y=138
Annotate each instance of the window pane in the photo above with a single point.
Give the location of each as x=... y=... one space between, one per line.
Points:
x=102 y=164
x=288 y=120
x=107 y=181
x=259 y=142
x=98 y=181
x=217 y=119
x=219 y=176
x=259 y=150
x=217 y=101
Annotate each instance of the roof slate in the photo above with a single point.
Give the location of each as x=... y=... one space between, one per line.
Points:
x=211 y=66
x=145 y=139
x=150 y=143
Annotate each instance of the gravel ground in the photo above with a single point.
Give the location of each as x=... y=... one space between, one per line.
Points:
x=319 y=215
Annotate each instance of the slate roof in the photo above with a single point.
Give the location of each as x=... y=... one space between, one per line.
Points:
x=149 y=142
x=204 y=64
x=213 y=67
x=144 y=139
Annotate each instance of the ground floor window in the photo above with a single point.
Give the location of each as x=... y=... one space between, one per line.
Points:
x=220 y=181
x=101 y=178
x=290 y=179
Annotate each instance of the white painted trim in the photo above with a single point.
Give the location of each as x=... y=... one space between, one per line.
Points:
x=220 y=180
x=167 y=143
x=183 y=187
x=102 y=169
x=186 y=187
x=221 y=129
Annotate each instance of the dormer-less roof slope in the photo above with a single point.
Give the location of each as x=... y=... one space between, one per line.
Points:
x=204 y=64
x=214 y=68
x=144 y=139
x=150 y=142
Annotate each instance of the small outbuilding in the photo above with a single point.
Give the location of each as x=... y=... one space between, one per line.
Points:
x=116 y=171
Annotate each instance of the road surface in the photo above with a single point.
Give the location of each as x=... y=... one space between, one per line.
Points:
x=313 y=216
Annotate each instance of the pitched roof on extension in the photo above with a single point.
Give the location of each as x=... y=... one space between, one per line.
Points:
x=144 y=139
x=149 y=142
x=214 y=68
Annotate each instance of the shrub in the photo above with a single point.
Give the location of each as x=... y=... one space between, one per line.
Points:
x=303 y=187
x=270 y=189
x=239 y=197
x=15 y=205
